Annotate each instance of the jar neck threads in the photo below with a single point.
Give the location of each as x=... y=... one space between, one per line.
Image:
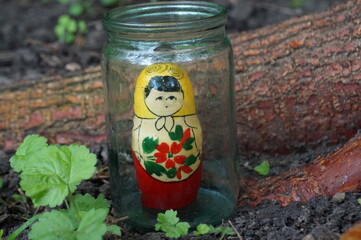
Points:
x=165 y=20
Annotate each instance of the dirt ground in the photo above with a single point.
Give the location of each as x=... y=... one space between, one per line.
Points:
x=29 y=50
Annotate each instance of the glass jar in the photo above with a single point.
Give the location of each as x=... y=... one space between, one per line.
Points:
x=169 y=96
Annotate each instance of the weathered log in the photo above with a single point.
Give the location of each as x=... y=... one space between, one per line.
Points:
x=325 y=176
x=354 y=233
x=296 y=83
x=299 y=81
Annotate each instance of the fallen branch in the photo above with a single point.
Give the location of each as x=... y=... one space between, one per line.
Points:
x=297 y=83
x=325 y=176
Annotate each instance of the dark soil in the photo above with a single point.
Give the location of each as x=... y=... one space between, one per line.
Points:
x=29 y=50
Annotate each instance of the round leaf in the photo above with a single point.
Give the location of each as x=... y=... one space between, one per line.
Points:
x=76 y=9
x=57 y=172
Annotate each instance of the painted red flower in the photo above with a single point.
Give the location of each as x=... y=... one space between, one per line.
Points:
x=168 y=154
x=184 y=169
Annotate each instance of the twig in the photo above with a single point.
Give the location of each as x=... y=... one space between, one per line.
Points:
x=122 y=219
x=238 y=234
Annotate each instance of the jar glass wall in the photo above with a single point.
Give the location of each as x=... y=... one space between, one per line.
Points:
x=169 y=97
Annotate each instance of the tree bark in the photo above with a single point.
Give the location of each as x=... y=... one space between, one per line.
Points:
x=297 y=83
x=325 y=176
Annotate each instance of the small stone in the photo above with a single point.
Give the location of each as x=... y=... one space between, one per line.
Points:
x=338 y=197
x=308 y=237
x=72 y=67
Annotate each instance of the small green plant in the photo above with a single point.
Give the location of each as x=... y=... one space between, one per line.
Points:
x=67 y=28
x=169 y=223
x=263 y=168
x=49 y=176
x=297 y=3
x=359 y=201
x=69 y=25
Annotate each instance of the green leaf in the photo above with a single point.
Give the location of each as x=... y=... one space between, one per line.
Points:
x=190 y=160
x=59 y=31
x=149 y=145
x=72 y=26
x=1 y=182
x=31 y=144
x=64 y=19
x=20 y=198
x=154 y=168
x=68 y=38
x=85 y=203
x=114 y=229
x=57 y=172
x=177 y=134
x=168 y=222
x=169 y=218
x=263 y=168
x=226 y=231
x=24 y=226
x=92 y=226
x=359 y=201
x=297 y=3
x=1 y=233
x=82 y=28
x=53 y=225
x=76 y=9
x=60 y=225
x=179 y=230
x=222 y=230
x=201 y=229
x=188 y=143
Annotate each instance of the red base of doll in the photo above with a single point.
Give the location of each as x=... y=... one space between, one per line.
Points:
x=167 y=195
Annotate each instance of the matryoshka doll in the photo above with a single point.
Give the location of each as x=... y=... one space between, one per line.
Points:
x=166 y=138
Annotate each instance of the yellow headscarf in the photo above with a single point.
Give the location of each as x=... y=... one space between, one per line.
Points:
x=163 y=69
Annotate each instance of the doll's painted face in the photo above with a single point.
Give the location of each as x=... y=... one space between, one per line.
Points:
x=164 y=96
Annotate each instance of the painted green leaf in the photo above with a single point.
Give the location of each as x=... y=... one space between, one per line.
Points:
x=177 y=134
x=188 y=143
x=154 y=168
x=263 y=168
x=149 y=145
x=191 y=159
x=171 y=173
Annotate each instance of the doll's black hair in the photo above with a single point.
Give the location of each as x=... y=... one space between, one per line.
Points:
x=163 y=84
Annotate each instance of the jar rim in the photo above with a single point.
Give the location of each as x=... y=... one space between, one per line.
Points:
x=160 y=17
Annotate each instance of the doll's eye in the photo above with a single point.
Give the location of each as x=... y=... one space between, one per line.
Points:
x=159 y=98
x=171 y=98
